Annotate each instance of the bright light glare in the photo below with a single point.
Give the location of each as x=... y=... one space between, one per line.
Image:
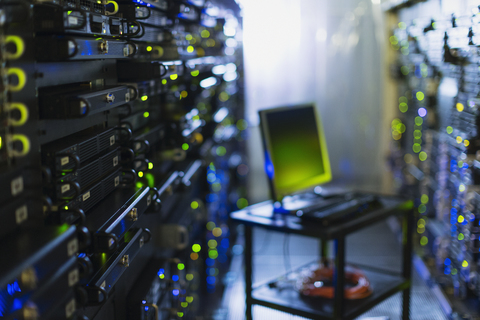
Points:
x=231 y=43
x=230 y=76
x=220 y=115
x=229 y=31
x=231 y=67
x=208 y=82
x=448 y=87
x=212 y=11
x=220 y=69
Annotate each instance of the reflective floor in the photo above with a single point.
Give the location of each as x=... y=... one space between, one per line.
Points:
x=274 y=253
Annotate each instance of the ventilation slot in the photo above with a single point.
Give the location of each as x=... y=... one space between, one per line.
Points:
x=87 y=149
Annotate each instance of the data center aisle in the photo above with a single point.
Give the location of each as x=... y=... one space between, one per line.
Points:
x=376 y=244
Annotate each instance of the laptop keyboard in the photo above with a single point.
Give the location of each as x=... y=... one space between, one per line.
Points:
x=337 y=209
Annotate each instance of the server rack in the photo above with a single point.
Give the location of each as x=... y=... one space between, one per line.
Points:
x=121 y=140
x=435 y=150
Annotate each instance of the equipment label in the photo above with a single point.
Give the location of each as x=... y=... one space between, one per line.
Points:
x=64 y=160
x=117 y=181
x=72 y=247
x=72 y=20
x=86 y=196
x=70 y=308
x=65 y=188
x=21 y=214
x=115 y=161
x=73 y=278
x=17 y=186
x=112 y=140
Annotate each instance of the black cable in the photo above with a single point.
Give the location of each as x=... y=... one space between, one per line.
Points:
x=286 y=253
x=265 y=242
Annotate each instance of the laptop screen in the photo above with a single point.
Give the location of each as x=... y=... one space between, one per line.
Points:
x=296 y=156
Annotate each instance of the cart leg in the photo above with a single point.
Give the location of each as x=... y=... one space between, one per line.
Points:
x=339 y=277
x=323 y=250
x=406 y=304
x=407 y=261
x=248 y=271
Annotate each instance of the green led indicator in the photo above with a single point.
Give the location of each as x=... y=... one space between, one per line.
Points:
x=424 y=241
x=420 y=96
x=242 y=203
x=422 y=156
x=424 y=198
x=221 y=151
x=194 y=205
x=418 y=121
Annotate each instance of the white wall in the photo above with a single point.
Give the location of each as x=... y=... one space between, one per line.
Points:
x=327 y=52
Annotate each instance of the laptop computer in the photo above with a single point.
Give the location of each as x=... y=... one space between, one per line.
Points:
x=296 y=159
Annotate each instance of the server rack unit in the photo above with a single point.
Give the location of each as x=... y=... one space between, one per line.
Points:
x=121 y=139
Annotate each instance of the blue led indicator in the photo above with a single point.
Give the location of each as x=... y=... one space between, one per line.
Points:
x=17 y=304
x=209 y=262
x=211 y=280
x=212 y=197
x=269 y=170
x=175 y=278
x=418 y=71
x=222 y=258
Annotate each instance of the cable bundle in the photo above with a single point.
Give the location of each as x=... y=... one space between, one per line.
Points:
x=314 y=284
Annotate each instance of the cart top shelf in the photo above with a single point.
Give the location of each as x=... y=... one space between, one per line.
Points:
x=262 y=215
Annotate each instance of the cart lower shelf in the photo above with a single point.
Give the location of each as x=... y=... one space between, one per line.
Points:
x=287 y=299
